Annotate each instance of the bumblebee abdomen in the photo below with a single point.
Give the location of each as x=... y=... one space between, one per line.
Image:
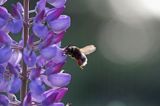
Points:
x=75 y=52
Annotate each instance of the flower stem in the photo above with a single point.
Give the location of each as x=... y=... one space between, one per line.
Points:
x=25 y=38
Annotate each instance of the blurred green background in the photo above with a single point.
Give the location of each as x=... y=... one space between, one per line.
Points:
x=125 y=69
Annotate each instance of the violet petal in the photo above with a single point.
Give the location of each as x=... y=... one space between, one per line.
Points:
x=4 y=84
x=37 y=89
x=35 y=73
x=57 y=104
x=61 y=24
x=17 y=11
x=5 y=39
x=58 y=37
x=41 y=4
x=5 y=54
x=49 y=99
x=29 y=57
x=2 y=69
x=49 y=52
x=44 y=78
x=48 y=40
x=54 y=13
x=59 y=79
x=27 y=100
x=31 y=41
x=4 y=16
x=2 y=2
x=40 y=16
x=4 y=100
x=15 y=57
x=16 y=85
x=61 y=92
x=12 y=69
x=57 y=3
x=60 y=56
x=15 y=22
x=55 y=68
x=20 y=7
x=41 y=61
x=40 y=30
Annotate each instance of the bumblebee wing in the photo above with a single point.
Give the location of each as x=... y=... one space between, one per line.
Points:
x=88 y=49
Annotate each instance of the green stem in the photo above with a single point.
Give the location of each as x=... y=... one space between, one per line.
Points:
x=25 y=37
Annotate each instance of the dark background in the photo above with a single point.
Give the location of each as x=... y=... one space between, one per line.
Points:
x=125 y=70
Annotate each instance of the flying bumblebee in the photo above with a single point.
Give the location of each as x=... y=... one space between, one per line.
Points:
x=79 y=54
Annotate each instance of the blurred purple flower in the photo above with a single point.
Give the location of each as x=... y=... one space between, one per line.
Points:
x=4 y=100
x=42 y=54
x=57 y=3
x=2 y=2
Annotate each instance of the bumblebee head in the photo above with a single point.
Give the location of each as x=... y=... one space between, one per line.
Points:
x=67 y=49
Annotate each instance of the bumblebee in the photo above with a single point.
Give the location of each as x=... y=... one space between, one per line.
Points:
x=79 y=54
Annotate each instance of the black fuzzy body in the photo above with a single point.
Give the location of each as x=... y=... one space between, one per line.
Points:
x=75 y=52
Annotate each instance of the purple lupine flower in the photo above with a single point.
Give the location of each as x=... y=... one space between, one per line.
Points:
x=38 y=58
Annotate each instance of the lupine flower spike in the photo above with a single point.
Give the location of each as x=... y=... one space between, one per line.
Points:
x=33 y=66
